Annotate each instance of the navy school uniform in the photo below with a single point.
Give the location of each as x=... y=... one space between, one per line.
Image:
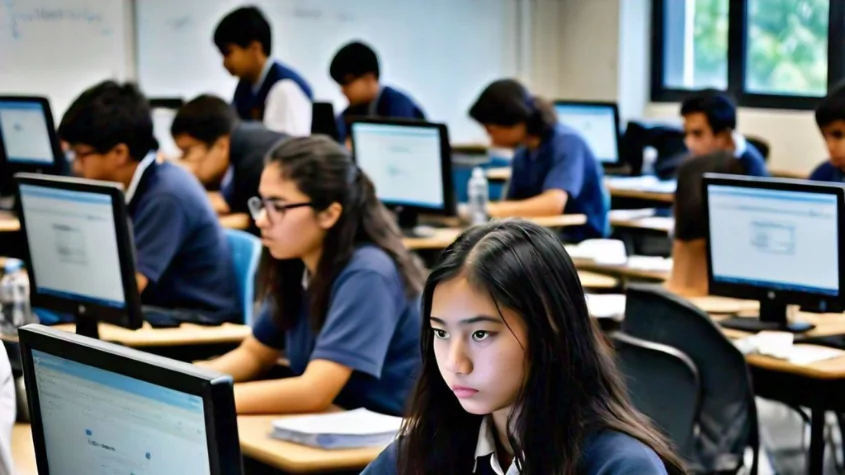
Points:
x=828 y=172
x=390 y=103
x=751 y=159
x=250 y=104
x=371 y=327
x=565 y=162
x=180 y=246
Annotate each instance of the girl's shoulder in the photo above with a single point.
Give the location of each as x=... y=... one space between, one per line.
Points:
x=610 y=452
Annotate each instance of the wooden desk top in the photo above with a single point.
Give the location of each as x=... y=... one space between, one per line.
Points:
x=186 y=335
x=651 y=223
x=499 y=174
x=592 y=280
x=9 y=223
x=256 y=443
x=235 y=221
x=23 y=451
x=642 y=195
x=444 y=236
x=622 y=271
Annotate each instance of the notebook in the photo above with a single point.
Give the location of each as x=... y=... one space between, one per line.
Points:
x=340 y=430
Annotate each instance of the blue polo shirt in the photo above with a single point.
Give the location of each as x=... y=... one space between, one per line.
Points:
x=180 y=246
x=828 y=172
x=371 y=327
x=565 y=162
x=605 y=453
x=752 y=161
x=390 y=103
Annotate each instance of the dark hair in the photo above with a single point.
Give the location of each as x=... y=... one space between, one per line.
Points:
x=353 y=61
x=324 y=171
x=832 y=107
x=572 y=387
x=109 y=114
x=205 y=118
x=241 y=27
x=716 y=106
x=507 y=102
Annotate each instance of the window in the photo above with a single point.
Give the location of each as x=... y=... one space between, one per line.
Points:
x=766 y=53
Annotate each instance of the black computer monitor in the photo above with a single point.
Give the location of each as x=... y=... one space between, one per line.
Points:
x=164 y=110
x=28 y=140
x=323 y=120
x=80 y=250
x=598 y=123
x=777 y=241
x=99 y=408
x=410 y=164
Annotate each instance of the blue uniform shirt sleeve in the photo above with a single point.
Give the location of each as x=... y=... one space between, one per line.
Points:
x=159 y=229
x=360 y=323
x=265 y=330
x=567 y=171
x=614 y=453
x=753 y=164
x=401 y=107
x=822 y=172
x=387 y=463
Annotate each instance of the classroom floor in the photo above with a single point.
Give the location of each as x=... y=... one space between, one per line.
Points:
x=781 y=434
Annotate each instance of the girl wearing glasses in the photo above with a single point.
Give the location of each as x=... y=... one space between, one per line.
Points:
x=516 y=378
x=341 y=290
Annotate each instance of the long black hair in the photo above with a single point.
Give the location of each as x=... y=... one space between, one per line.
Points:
x=572 y=387
x=324 y=172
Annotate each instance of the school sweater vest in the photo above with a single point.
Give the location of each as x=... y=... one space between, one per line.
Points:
x=250 y=106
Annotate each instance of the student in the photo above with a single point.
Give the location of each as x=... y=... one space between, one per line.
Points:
x=212 y=138
x=830 y=117
x=355 y=68
x=514 y=372
x=8 y=412
x=268 y=91
x=183 y=263
x=710 y=126
x=554 y=170
x=342 y=290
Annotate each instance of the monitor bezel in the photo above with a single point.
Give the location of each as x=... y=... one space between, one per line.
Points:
x=215 y=389
x=324 y=110
x=753 y=292
x=130 y=316
x=57 y=167
x=449 y=206
x=599 y=104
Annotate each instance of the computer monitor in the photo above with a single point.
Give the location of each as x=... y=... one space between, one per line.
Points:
x=28 y=140
x=410 y=164
x=777 y=241
x=323 y=120
x=164 y=110
x=80 y=250
x=100 y=408
x=598 y=123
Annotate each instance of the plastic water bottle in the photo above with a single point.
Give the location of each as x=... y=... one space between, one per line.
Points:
x=478 y=196
x=14 y=298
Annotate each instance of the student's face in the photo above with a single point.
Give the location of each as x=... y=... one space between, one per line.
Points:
x=506 y=136
x=360 y=90
x=834 y=138
x=208 y=163
x=240 y=61
x=699 y=137
x=90 y=164
x=480 y=354
x=291 y=233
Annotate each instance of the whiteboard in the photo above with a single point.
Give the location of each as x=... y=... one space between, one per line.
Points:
x=59 y=48
x=442 y=52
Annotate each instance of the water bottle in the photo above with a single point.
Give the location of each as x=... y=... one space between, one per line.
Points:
x=478 y=196
x=14 y=298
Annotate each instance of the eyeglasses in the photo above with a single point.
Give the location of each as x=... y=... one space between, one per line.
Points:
x=257 y=206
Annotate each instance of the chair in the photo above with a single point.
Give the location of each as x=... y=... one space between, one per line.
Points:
x=761 y=145
x=246 y=251
x=728 y=413
x=663 y=384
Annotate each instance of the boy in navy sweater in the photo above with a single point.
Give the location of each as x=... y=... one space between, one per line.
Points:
x=268 y=91
x=830 y=117
x=355 y=68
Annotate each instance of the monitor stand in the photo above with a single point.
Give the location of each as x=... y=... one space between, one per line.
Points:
x=87 y=326
x=408 y=224
x=772 y=318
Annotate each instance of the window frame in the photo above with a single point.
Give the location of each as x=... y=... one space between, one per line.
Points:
x=737 y=48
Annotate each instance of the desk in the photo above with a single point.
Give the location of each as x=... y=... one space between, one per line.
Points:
x=257 y=444
x=9 y=223
x=186 y=335
x=622 y=271
x=651 y=223
x=23 y=451
x=594 y=281
x=499 y=174
x=659 y=197
x=444 y=236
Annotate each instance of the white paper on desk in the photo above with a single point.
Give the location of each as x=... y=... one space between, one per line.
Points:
x=650 y=263
x=610 y=306
x=808 y=354
x=643 y=183
x=631 y=214
x=602 y=251
x=348 y=429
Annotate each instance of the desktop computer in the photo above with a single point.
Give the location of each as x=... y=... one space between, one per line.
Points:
x=80 y=250
x=598 y=123
x=410 y=165
x=777 y=241
x=28 y=141
x=99 y=408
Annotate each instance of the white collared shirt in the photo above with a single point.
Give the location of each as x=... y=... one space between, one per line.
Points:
x=740 y=144
x=487 y=445
x=139 y=172
x=287 y=109
x=264 y=71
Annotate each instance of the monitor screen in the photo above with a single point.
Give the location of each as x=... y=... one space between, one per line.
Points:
x=162 y=120
x=597 y=124
x=73 y=244
x=97 y=421
x=774 y=239
x=26 y=135
x=403 y=161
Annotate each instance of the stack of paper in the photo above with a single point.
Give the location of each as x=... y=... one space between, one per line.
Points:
x=602 y=251
x=340 y=430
